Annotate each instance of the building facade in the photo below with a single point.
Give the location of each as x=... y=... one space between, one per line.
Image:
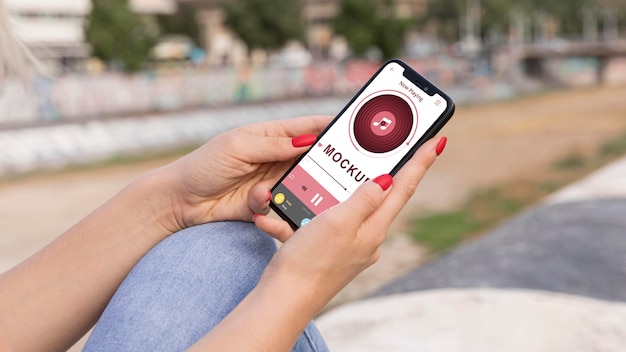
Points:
x=54 y=29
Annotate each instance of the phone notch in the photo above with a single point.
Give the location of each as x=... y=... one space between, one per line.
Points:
x=420 y=82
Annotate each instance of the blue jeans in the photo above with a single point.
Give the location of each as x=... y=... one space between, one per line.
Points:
x=184 y=287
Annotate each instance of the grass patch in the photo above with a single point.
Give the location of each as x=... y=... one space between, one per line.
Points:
x=488 y=207
x=444 y=231
x=614 y=148
x=571 y=162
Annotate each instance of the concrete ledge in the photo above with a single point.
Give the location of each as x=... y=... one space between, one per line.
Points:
x=476 y=321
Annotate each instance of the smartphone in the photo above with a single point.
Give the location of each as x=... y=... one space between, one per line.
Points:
x=376 y=133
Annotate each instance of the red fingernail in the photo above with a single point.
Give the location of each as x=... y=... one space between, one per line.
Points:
x=441 y=145
x=303 y=140
x=269 y=196
x=256 y=216
x=384 y=181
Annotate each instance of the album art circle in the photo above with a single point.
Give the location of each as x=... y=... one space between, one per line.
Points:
x=383 y=123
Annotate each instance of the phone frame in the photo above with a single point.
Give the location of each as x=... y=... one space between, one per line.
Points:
x=414 y=77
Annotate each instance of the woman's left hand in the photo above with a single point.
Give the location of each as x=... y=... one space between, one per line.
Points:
x=228 y=178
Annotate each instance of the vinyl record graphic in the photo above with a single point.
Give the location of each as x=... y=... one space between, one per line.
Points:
x=383 y=123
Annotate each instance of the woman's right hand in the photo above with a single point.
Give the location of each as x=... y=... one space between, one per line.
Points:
x=327 y=253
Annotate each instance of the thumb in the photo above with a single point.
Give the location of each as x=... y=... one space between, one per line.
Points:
x=367 y=198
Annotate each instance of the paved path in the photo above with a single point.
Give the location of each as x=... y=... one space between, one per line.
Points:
x=576 y=248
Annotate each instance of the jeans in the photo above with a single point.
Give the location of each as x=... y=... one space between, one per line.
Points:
x=184 y=287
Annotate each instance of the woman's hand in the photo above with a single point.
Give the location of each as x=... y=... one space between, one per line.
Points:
x=327 y=253
x=229 y=177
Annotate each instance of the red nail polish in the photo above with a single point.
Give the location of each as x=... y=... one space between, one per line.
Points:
x=441 y=145
x=384 y=181
x=303 y=140
x=256 y=216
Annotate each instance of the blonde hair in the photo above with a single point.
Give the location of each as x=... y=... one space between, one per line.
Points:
x=14 y=57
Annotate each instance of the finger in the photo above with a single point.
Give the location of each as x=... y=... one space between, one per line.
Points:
x=259 y=199
x=279 y=229
x=405 y=182
x=364 y=201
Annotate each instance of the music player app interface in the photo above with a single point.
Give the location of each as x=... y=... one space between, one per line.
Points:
x=368 y=139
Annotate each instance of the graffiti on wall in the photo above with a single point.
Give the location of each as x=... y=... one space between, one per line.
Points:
x=81 y=97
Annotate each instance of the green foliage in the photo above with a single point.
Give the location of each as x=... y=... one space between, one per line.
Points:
x=182 y=22
x=265 y=24
x=371 y=23
x=119 y=36
x=446 y=15
x=570 y=162
x=441 y=232
x=614 y=148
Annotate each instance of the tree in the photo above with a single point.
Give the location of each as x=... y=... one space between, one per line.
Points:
x=446 y=15
x=371 y=23
x=119 y=36
x=265 y=24
x=182 y=22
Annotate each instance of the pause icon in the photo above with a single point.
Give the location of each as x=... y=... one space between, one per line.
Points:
x=317 y=199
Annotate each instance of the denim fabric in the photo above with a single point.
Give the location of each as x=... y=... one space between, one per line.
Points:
x=184 y=287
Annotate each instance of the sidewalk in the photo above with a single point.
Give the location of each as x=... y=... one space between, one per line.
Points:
x=551 y=279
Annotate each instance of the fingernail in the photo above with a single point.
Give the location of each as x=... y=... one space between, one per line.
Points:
x=303 y=140
x=384 y=181
x=256 y=216
x=269 y=196
x=441 y=145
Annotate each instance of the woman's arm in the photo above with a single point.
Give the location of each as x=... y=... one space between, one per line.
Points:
x=53 y=298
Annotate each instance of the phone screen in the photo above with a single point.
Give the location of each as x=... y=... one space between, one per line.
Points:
x=373 y=135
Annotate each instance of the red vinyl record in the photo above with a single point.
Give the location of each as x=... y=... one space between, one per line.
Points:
x=383 y=123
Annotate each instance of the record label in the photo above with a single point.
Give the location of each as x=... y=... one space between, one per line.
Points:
x=383 y=123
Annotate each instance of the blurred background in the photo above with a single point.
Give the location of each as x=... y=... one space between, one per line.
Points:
x=119 y=87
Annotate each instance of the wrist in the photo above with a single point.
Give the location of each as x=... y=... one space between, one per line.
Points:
x=157 y=202
x=306 y=294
